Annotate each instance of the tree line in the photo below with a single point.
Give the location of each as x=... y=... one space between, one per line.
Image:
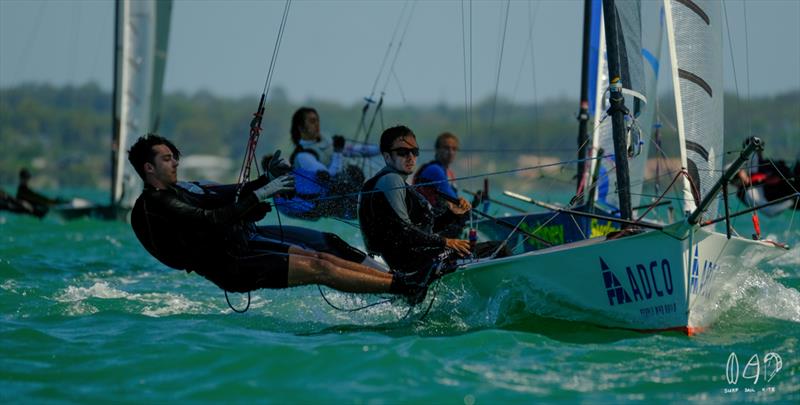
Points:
x=64 y=132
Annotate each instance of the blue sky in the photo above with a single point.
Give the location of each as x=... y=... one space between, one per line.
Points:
x=333 y=50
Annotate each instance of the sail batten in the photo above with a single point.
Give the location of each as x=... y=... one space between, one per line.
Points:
x=695 y=41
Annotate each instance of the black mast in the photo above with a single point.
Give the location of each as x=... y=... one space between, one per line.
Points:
x=116 y=148
x=583 y=113
x=617 y=109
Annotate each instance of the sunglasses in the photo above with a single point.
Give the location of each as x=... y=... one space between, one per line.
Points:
x=403 y=152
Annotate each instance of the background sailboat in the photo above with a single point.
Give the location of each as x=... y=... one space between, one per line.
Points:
x=140 y=57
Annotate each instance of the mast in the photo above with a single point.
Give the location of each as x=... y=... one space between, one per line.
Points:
x=617 y=109
x=583 y=113
x=115 y=123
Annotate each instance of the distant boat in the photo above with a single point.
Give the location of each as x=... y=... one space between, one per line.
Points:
x=140 y=57
x=651 y=277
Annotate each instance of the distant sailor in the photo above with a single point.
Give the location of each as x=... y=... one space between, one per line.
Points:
x=326 y=186
x=209 y=230
x=39 y=204
x=436 y=180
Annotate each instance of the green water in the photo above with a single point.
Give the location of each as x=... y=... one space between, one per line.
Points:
x=89 y=316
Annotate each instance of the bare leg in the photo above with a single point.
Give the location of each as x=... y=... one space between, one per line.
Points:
x=346 y=264
x=311 y=270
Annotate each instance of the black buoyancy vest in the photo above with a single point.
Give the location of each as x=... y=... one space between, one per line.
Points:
x=382 y=229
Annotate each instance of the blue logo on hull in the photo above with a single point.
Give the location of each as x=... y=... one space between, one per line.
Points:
x=643 y=283
x=697 y=284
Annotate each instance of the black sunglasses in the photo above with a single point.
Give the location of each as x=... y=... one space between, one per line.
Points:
x=403 y=152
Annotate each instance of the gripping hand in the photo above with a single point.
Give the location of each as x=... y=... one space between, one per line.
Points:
x=278 y=166
x=280 y=185
x=338 y=143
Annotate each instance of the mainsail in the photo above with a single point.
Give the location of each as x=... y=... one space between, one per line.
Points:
x=142 y=28
x=694 y=37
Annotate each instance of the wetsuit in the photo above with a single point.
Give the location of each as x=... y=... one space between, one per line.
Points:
x=397 y=223
x=209 y=233
x=439 y=180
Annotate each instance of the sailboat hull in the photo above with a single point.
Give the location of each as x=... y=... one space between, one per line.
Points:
x=649 y=281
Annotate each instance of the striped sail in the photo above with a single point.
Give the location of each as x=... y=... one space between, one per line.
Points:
x=142 y=29
x=694 y=38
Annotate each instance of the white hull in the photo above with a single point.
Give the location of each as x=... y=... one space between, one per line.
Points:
x=650 y=281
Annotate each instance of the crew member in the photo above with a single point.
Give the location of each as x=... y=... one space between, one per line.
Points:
x=396 y=221
x=211 y=232
x=436 y=180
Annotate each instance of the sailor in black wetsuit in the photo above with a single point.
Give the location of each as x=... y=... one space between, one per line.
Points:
x=211 y=233
x=396 y=221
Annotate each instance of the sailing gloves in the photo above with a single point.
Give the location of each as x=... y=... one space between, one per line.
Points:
x=338 y=143
x=281 y=184
x=278 y=166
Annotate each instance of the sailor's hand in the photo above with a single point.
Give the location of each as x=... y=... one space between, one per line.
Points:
x=462 y=207
x=278 y=166
x=280 y=185
x=338 y=143
x=459 y=245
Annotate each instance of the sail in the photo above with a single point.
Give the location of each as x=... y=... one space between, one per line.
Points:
x=694 y=37
x=638 y=80
x=142 y=31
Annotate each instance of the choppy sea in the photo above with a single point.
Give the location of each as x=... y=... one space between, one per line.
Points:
x=89 y=316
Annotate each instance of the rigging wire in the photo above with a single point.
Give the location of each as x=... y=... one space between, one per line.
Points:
x=277 y=47
x=499 y=67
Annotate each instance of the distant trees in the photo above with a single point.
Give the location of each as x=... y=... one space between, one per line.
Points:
x=65 y=132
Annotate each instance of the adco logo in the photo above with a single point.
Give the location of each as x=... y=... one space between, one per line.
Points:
x=756 y=369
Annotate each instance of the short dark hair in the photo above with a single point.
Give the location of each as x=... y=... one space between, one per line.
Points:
x=388 y=137
x=443 y=136
x=142 y=151
x=298 y=121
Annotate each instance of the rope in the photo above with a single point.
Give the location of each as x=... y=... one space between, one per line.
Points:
x=238 y=311
x=385 y=301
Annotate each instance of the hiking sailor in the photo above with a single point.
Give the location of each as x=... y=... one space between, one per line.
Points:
x=209 y=231
x=396 y=221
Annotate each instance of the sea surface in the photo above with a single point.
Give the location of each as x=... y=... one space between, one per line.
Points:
x=89 y=317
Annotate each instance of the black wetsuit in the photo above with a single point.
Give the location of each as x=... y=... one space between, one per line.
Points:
x=211 y=234
x=405 y=246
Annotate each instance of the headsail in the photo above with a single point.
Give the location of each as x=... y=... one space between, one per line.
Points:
x=694 y=37
x=142 y=30
x=638 y=80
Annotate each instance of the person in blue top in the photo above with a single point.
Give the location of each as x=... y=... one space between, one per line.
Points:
x=321 y=173
x=436 y=179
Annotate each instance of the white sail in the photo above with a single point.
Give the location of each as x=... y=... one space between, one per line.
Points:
x=142 y=28
x=694 y=38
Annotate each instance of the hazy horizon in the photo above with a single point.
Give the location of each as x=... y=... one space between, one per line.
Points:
x=332 y=50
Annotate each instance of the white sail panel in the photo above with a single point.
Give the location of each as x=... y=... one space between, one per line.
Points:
x=695 y=40
x=138 y=76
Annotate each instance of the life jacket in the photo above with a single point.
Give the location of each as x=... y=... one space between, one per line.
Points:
x=429 y=192
x=322 y=150
x=319 y=195
x=380 y=223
